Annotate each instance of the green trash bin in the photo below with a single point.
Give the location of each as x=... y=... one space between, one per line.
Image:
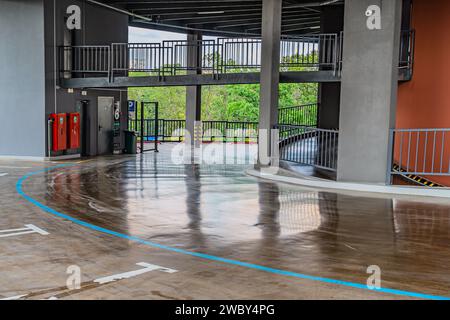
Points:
x=130 y=142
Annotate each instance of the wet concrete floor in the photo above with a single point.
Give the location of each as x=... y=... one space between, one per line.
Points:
x=216 y=211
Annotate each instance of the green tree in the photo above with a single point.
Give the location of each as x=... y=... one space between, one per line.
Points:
x=230 y=102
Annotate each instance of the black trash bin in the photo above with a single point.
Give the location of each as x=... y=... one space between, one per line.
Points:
x=130 y=142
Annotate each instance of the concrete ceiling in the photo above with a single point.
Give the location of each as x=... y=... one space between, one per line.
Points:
x=221 y=17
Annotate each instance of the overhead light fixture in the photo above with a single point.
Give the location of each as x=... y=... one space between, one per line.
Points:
x=70 y=90
x=314 y=28
x=211 y=12
x=313 y=4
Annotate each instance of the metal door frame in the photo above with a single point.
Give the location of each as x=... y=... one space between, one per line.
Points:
x=98 y=122
x=143 y=105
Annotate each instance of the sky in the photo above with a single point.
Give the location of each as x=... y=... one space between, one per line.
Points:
x=140 y=35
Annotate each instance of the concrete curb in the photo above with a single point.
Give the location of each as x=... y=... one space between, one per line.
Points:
x=348 y=186
x=22 y=158
x=41 y=159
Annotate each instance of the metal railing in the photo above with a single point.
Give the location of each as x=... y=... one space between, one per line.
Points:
x=340 y=51
x=309 y=146
x=311 y=51
x=424 y=152
x=85 y=59
x=240 y=54
x=224 y=55
x=406 y=58
x=305 y=115
x=300 y=140
x=176 y=56
x=174 y=130
x=308 y=51
x=139 y=57
x=228 y=131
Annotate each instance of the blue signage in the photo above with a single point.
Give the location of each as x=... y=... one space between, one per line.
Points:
x=131 y=106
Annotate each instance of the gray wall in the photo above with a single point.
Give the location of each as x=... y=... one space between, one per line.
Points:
x=100 y=26
x=22 y=103
x=28 y=66
x=369 y=91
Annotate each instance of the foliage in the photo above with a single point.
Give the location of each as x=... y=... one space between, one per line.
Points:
x=230 y=102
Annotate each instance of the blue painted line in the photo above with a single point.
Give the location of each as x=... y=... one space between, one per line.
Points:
x=19 y=188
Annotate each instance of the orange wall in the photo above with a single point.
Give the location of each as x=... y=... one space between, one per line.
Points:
x=424 y=102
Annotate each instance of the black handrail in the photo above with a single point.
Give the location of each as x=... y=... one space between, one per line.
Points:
x=173 y=129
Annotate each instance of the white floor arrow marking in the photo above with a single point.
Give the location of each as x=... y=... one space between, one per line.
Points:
x=29 y=228
x=147 y=268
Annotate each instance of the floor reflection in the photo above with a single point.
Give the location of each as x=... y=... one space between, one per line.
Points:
x=269 y=210
x=193 y=195
x=428 y=224
x=219 y=198
x=95 y=196
x=218 y=210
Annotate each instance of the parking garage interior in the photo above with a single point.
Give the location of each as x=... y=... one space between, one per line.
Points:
x=304 y=203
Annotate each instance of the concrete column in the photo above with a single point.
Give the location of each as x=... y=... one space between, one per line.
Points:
x=369 y=91
x=329 y=105
x=194 y=93
x=332 y=21
x=270 y=77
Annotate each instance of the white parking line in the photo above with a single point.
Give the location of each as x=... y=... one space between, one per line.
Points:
x=23 y=296
x=3 y=174
x=147 y=268
x=15 y=297
x=29 y=228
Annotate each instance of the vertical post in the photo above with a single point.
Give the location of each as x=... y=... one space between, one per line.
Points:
x=270 y=78
x=136 y=116
x=390 y=157
x=142 y=126
x=369 y=88
x=49 y=137
x=193 y=93
x=156 y=125
x=110 y=56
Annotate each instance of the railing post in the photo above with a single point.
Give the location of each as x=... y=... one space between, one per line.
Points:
x=156 y=125
x=160 y=65
x=136 y=116
x=412 y=51
x=341 y=52
x=335 y=54
x=142 y=126
x=390 y=161
x=110 y=60
x=222 y=60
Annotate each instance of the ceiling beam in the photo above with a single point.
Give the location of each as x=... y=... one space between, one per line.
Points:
x=219 y=17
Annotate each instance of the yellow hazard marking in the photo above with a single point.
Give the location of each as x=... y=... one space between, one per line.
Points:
x=418 y=179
